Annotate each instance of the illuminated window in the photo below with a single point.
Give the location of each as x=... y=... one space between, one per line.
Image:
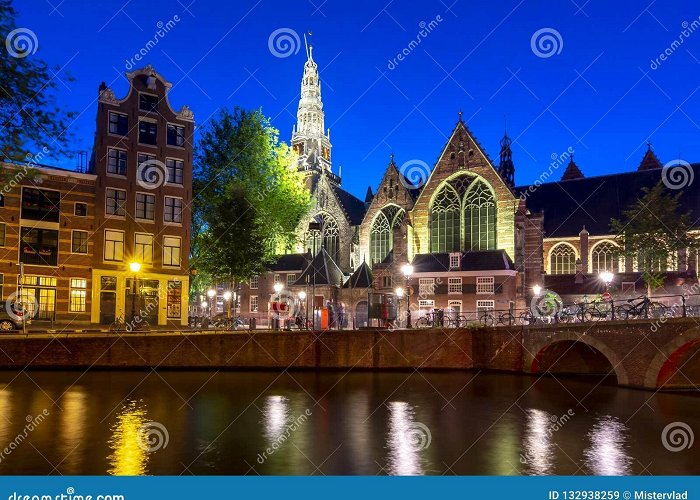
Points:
x=484 y=285
x=454 y=285
x=78 y=295
x=143 y=248
x=171 y=251
x=445 y=221
x=114 y=245
x=603 y=258
x=253 y=303
x=426 y=286
x=562 y=259
x=479 y=218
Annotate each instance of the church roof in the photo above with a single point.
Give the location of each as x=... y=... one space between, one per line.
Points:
x=572 y=171
x=321 y=271
x=650 y=160
x=353 y=206
x=486 y=260
x=361 y=278
x=291 y=262
x=568 y=206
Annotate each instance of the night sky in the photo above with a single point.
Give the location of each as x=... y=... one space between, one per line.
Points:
x=595 y=90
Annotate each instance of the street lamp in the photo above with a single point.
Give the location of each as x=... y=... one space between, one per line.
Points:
x=607 y=278
x=407 y=270
x=537 y=290
x=134 y=267
x=277 y=287
x=211 y=293
x=227 y=298
x=302 y=299
x=399 y=295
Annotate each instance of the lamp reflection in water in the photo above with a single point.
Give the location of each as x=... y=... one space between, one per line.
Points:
x=538 y=449
x=6 y=414
x=128 y=458
x=407 y=441
x=72 y=430
x=276 y=416
x=606 y=456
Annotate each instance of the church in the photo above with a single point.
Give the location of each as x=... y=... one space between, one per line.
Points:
x=463 y=241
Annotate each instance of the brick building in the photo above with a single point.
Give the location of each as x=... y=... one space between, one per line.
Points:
x=76 y=233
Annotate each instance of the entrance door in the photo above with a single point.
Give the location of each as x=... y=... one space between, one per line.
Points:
x=108 y=307
x=361 y=317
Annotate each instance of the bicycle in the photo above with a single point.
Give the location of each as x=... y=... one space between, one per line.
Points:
x=645 y=308
x=118 y=325
x=432 y=320
x=495 y=318
x=597 y=311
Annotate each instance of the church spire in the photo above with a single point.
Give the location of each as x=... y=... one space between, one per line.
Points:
x=572 y=171
x=310 y=140
x=506 y=168
x=650 y=160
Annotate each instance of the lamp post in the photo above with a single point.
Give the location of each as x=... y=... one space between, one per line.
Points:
x=134 y=267
x=211 y=293
x=607 y=278
x=407 y=270
x=227 y=298
x=277 y=287
x=399 y=295
x=302 y=299
x=537 y=290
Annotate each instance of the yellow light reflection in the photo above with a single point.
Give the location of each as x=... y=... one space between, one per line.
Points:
x=405 y=454
x=606 y=456
x=128 y=458
x=73 y=418
x=6 y=411
x=538 y=449
x=276 y=416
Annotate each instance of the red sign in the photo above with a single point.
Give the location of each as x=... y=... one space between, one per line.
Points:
x=607 y=297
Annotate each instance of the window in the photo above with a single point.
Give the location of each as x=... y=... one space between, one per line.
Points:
x=386 y=281
x=454 y=305
x=39 y=247
x=253 y=303
x=603 y=258
x=40 y=204
x=114 y=245
x=175 y=169
x=254 y=281
x=143 y=247
x=171 y=251
x=173 y=209
x=331 y=238
x=445 y=221
x=479 y=218
x=80 y=209
x=455 y=260
x=148 y=102
x=454 y=285
x=148 y=133
x=484 y=285
x=116 y=198
x=174 y=299
x=176 y=135
x=2 y=239
x=426 y=303
x=116 y=161
x=78 y=295
x=118 y=123
x=291 y=278
x=79 y=242
x=277 y=279
x=426 y=286
x=484 y=305
x=381 y=233
x=562 y=259
x=145 y=206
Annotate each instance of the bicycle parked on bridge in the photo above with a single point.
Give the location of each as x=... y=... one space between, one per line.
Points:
x=435 y=319
x=496 y=318
x=643 y=308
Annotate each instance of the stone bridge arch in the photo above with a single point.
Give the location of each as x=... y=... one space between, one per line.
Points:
x=538 y=349
x=671 y=356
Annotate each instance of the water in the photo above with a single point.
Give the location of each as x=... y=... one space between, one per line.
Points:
x=337 y=423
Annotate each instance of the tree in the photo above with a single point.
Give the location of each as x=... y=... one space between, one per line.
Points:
x=31 y=124
x=249 y=196
x=653 y=231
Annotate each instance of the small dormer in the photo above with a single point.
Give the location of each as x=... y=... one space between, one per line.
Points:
x=455 y=260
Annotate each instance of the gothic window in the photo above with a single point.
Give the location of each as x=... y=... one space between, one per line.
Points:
x=562 y=259
x=381 y=233
x=603 y=258
x=312 y=242
x=331 y=238
x=479 y=218
x=445 y=221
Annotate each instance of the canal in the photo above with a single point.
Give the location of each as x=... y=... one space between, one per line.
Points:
x=206 y=422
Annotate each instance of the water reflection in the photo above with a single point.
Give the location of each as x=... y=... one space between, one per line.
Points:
x=127 y=457
x=74 y=418
x=606 y=456
x=276 y=417
x=5 y=414
x=538 y=449
x=407 y=441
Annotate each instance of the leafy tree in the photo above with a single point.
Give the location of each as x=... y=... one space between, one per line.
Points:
x=249 y=196
x=653 y=231
x=31 y=124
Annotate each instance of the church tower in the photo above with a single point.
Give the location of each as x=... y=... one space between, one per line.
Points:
x=506 y=169
x=309 y=139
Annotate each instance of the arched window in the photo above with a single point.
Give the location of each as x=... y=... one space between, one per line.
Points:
x=479 y=218
x=603 y=257
x=445 y=221
x=312 y=242
x=562 y=259
x=331 y=238
x=379 y=239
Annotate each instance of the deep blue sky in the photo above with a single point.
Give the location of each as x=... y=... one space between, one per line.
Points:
x=598 y=95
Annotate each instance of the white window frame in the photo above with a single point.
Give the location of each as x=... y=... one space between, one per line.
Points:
x=485 y=285
x=253 y=299
x=277 y=279
x=455 y=260
x=82 y=292
x=485 y=305
x=452 y=303
x=426 y=286
x=254 y=282
x=291 y=278
x=423 y=303
x=115 y=246
x=454 y=286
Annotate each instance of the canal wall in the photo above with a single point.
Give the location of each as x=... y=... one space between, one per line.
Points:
x=640 y=354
